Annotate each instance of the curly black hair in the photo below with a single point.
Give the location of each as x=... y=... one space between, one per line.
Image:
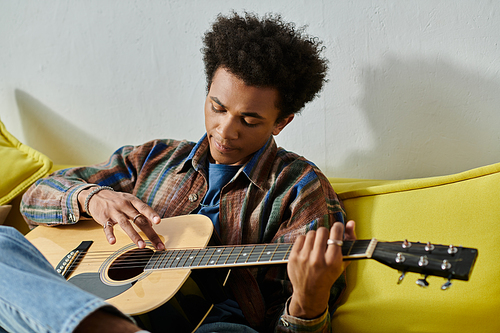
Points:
x=267 y=52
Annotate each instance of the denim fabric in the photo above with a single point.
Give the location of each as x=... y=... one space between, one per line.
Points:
x=33 y=297
x=224 y=328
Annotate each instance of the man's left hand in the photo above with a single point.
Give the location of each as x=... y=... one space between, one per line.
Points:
x=314 y=266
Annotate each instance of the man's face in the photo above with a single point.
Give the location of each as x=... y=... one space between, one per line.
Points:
x=239 y=119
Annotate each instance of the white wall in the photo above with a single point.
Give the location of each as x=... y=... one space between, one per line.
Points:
x=414 y=86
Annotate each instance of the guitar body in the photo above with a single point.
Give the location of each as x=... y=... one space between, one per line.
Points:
x=134 y=293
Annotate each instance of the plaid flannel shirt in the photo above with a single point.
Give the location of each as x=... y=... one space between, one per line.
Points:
x=274 y=197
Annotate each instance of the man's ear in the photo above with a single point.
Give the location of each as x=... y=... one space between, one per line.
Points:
x=278 y=127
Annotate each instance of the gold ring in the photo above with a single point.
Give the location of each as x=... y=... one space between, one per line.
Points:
x=334 y=242
x=135 y=218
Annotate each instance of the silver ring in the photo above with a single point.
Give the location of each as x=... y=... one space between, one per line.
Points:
x=135 y=218
x=334 y=242
x=109 y=223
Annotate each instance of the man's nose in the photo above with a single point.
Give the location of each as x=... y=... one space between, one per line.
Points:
x=228 y=129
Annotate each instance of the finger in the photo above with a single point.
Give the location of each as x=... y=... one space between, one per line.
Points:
x=147 y=211
x=336 y=233
x=125 y=223
x=109 y=232
x=145 y=225
x=350 y=230
x=309 y=242
x=320 y=243
x=297 y=245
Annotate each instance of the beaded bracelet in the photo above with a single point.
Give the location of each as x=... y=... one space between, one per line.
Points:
x=91 y=194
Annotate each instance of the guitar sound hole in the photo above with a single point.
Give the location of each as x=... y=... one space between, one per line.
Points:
x=130 y=264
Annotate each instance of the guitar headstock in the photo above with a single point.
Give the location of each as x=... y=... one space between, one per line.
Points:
x=448 y=261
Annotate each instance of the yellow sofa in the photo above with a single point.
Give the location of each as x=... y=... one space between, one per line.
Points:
x=461 y=209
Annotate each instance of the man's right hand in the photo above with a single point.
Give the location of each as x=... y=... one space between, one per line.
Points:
x=109 y=208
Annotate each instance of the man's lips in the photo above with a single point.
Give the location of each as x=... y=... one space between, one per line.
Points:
x=222 y=147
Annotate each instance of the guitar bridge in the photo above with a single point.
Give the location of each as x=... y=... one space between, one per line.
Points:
x=66 y=265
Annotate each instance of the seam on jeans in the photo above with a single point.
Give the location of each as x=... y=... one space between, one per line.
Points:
x=33 y=324
x=76 y=318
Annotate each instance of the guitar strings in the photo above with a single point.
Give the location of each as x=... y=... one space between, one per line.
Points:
x=136 y=257
x=106 y=253
x=180 y=258
x=128 y=260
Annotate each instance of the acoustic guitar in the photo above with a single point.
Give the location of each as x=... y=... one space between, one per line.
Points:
x=138 y=281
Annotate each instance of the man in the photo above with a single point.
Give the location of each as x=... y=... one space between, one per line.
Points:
x=260 y=72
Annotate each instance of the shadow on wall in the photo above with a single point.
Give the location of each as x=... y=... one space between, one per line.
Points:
x=54 y=136
x=429 y=118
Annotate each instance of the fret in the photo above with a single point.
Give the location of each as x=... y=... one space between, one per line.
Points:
x=207 y=257
x=287 y=254
x=224 y=254
x=245 y=252
x=158 y=260
x=199 y=256
x=256 y=253
x=347 y=247
x=274 y=252
x=166 y=255
x=184 y=255
x=216 y=256
x=233 y=257
x=193 y=257
x=155 y=260
x=174 y=259
x=163 y=256
x=166 y=258
x=268 y=253
x=281 y=253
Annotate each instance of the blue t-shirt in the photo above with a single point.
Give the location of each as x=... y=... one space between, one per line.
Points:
x=218 y=176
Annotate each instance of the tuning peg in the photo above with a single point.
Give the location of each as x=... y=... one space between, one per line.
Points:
x=446 y=285
x=400 y=280
x=423 y=261
x=445 y=265
x=423 y=282
x=429 y=247
x=406 y=244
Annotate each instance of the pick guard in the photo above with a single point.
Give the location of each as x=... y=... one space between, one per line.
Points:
x=91 y=282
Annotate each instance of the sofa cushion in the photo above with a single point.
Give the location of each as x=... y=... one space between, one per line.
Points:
x=20 y=167
x=461 y=209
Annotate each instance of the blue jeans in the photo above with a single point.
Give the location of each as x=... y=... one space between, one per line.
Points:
x=33 y=297
x=224 y=328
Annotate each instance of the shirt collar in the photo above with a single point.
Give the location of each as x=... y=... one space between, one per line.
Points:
x=197 y=157
x=256 y=169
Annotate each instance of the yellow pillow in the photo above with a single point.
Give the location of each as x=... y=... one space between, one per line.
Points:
x=20 y=166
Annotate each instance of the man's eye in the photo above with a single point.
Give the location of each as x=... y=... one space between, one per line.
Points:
x=217 y=110
x=248 y=124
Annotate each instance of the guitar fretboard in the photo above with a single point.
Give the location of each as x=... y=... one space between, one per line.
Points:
x=244 y=255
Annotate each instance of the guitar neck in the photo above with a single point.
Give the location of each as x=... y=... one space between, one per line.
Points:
x=245 y=255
